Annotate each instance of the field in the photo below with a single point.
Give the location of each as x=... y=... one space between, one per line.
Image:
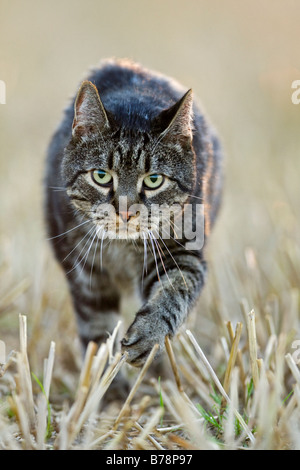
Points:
x=234 y=379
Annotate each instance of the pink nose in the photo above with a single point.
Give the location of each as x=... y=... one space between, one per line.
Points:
x=125 y=215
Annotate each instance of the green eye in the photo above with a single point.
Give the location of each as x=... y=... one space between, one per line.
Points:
x=153 y=181
x=101 y=177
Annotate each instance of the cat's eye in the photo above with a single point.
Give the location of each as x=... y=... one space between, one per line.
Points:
x=153 y=181
x=102 y=177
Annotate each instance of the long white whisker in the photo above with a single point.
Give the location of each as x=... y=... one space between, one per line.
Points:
x=145 y=259
x=175 y=239
x=173 y=260
x=70 y=230
x=57 y=188
x=88 y=251
x=160 y=252
x=101 y=248
x=82 y=249
x=154 y=254
x=145 y=252
x=78 y=243
x=93 y=260
x=196 y=197
x=134 y=242
x=173 y=225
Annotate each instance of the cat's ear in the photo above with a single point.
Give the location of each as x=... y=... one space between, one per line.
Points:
x=176 y=121
x=90 y=116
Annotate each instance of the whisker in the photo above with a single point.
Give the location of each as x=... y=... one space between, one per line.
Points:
x=101 y=248
x=93 y=260
x=134 y=242
x=173 y=225
x=86 y=243
x=173 y=260
x=56 y=188
x=154 y=254
x=176 y=239
x=88 y=251
x=78 y=243
x=145 y=251
x=197 y=197
x=70 y=230
x=145 y=259
x=160 y=252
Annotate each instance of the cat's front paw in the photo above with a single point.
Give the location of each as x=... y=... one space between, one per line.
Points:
x=141 y=336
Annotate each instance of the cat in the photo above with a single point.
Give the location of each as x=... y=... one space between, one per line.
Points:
x=131 y=138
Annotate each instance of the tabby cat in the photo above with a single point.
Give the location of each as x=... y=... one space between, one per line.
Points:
x=131 y=139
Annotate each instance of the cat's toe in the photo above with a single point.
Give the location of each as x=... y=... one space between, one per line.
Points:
x=137 y=356
x=142 y=335
x=132 y=340
x=137 y=349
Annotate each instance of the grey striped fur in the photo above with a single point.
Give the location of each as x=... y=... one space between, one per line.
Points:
x=132 y=122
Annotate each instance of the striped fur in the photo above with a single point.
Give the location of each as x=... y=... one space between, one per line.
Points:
x=132 y=122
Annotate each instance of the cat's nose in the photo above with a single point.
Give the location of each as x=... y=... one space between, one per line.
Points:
x=125 y=215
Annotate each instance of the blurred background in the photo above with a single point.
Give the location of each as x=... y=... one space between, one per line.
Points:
x=240 y=58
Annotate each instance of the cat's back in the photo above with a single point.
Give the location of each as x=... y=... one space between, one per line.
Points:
x=123 y=75
x=134 y=94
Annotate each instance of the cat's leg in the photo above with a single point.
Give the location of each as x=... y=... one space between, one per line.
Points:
x=97 y=306
x=169 y=301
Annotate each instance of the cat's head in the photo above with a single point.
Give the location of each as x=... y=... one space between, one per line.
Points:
x=115 y=175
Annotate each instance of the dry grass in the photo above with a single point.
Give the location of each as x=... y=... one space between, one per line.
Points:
x=233 y=380
x=244 y=393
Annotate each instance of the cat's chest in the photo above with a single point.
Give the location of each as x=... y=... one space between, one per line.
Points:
x=123 y=261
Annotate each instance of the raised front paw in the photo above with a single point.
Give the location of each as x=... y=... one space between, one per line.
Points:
x=146 y=331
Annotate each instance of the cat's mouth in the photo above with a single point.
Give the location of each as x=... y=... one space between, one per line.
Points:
x=128 y=231
x=123 y=231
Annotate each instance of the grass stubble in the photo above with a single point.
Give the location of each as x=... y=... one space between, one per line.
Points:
x=234 y=379
x=243 y=394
